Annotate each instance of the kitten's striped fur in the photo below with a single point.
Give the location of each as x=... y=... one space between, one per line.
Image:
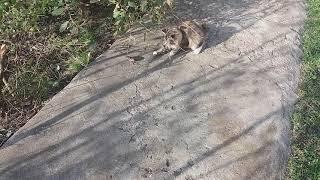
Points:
x=188 y=35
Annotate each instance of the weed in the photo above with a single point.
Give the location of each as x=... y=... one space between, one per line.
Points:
x=78 y=62
x=49 y=41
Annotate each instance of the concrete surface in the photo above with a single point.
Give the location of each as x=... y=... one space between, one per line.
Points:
x=222 y=114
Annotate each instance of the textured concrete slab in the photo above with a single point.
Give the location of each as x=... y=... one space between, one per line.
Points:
x=222 y=114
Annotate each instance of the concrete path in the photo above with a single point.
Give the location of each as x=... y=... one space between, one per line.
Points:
x=222 y=114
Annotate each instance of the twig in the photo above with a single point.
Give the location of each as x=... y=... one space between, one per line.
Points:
x=6 y=84
x=74 y=23
x=6 y=41
x=146 y=27
x=3 y=50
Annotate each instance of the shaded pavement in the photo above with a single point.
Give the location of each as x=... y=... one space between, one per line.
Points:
x=222 y=114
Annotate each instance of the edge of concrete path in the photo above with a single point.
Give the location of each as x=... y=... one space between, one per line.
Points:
x=233 y=55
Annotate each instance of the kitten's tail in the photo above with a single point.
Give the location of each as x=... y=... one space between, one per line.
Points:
x=205 y=39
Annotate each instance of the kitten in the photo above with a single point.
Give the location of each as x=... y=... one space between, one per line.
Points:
x=172 y=41
x=188 y=35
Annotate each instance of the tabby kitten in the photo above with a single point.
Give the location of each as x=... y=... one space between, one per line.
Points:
x=188 y=35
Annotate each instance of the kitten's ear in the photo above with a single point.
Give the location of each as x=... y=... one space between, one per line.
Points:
x=164 y=30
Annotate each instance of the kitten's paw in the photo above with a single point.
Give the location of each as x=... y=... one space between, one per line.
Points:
x=198 y=50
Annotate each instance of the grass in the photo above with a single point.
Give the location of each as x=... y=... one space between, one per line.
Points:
x=304 y=163
x=49 y=41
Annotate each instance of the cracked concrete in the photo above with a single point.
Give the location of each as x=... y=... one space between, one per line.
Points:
x=222 y=114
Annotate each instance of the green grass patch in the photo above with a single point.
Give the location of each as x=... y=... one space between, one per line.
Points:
x=305 y=160
x=49 y=41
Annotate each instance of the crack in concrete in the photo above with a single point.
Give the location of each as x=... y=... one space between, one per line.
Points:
x=217 y=120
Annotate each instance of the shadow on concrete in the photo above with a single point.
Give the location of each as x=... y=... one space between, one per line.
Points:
x=99 y=145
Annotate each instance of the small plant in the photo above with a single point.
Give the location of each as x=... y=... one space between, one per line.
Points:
x=76 y=63
x=128 y=11
x=49 y=41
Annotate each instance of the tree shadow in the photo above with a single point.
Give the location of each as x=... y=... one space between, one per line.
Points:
x=138 y=116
